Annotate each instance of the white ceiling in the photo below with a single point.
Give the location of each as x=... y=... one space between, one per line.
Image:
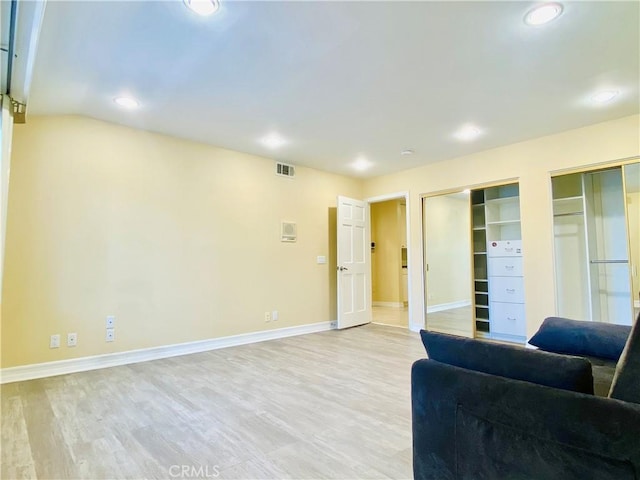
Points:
x=339 y=79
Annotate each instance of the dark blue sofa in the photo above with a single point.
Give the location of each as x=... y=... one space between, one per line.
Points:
x=493 y=411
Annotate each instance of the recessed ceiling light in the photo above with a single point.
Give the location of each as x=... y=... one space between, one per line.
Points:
x=604 y=96
x=361 y=164
x=468 y=133
x=273 y=140
x=203 y=7
x=407 y=151
x=543 y=14
x=126 y=102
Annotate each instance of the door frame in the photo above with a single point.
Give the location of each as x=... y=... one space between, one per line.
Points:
x=414 y=326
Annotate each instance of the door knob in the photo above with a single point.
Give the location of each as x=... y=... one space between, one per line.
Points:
x=341 y=268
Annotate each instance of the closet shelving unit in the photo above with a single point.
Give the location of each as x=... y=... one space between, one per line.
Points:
x=497 y=263
x=480 y=277
x=591 y=251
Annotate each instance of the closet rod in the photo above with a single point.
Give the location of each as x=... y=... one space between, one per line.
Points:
x=567 y=214
x=608 y=261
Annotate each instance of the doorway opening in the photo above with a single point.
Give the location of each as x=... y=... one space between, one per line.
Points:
x=389 y=260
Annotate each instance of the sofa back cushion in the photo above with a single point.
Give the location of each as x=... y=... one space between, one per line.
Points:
x=510 y=361
x=626 y=380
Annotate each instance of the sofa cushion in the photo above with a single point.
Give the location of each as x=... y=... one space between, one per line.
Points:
x=626 y=380
x=577 y=337
x=487 y=449
x=510 y=361
x=602 y=370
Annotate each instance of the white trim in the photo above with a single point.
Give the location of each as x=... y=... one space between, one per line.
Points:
x=448 y=306
x=388 y=304
x=74 y=365
x=388 y=196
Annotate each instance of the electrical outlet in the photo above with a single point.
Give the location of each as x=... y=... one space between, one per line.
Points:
x=111 y=335
x=274 y=315
x=334 y=324
x=54 y=342
x=72 y=339
x=110 y=322
x=267 y=316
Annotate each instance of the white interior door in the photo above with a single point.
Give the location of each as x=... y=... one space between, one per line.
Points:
x=354 y=263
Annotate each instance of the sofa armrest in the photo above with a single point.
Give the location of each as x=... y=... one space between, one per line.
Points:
x=469 y=424
x=576 y=337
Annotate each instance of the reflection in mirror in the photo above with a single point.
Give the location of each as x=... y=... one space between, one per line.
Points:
x=591 y=241
x=448 y=264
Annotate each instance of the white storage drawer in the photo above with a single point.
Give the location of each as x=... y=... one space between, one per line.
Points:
x=504 y=248
x=507 y=318
x=505 y=267
x=506 y=289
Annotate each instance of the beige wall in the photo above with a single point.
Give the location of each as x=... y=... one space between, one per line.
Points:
x=448 y=249
x=529 y=162
x=386 y=232
x=179 y=240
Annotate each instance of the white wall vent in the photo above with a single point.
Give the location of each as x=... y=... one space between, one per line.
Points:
x=288 y=232
x=285 y=170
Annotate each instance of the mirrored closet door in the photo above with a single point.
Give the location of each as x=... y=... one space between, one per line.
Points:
x=447 y=254
x=595 y=216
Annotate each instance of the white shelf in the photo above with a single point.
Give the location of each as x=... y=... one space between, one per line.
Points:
x=504 y=222
x=499 y=201
x=568 y=199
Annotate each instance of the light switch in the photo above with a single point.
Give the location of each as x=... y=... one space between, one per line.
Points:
x=321 y=259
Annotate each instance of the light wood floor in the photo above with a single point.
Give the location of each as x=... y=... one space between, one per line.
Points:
x=397 y=317
x=327 y=405
x=455 y=321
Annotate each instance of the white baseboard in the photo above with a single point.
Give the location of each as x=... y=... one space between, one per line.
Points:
x=448 y=306
x=388 y=304
x=74 y=365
